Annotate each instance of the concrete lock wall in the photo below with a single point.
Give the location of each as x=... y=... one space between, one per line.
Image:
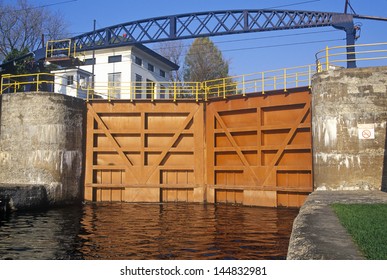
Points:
x=41 y=142
x=349 y=129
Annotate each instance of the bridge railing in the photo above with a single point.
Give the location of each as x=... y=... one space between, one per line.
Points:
x=365 y=55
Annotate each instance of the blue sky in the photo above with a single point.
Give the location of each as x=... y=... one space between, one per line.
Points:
x=247 y=53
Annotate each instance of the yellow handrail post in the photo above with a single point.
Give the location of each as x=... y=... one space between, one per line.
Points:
x=154 y=91
x=174 y=91
x=37 y=82
x=197 y=92
x=275 y=82
x=263 y=82
x=326 y=58
x=243 y=85
x=296 y=79
x=285 y=80
x=224 y=88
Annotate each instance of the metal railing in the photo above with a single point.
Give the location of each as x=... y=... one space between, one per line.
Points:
x=336 y=57
x=280 y=79
x=42 y=82
x=58 y=48
x=146 y=90
x=260 y=82
x=27 y=82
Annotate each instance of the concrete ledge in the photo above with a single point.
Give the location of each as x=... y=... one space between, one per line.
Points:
x=317 y=233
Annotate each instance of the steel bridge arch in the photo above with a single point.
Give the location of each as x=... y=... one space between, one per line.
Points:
x=213 y=23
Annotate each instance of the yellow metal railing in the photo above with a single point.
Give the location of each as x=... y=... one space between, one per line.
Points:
x=43 y=82
x=280 y=79
x=147 y=90
x=27 y=82
x=336 y=57
x=56 y=48
x=261 y=82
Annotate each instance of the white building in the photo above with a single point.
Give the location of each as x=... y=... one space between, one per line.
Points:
x=130 y=72
x=73 y=82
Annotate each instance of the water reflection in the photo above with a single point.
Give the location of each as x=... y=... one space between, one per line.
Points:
x=148 y=231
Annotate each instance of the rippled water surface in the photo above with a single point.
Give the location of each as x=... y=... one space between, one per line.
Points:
x=147 y=231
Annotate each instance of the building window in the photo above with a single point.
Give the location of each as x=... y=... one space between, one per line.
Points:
x=138 y=86
x=114 y=84
x=151 y=67
x=162 y=73
x=89 y=61
x=138 y=60
x=115 y=58
x=70 y=80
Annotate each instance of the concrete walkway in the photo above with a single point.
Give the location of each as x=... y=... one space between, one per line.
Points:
x=317 y=233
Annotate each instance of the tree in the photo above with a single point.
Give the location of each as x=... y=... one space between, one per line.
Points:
x=204 y=61
x=22 y=26
x=173 y=50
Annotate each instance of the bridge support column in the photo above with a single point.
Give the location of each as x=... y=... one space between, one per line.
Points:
x=345 y=22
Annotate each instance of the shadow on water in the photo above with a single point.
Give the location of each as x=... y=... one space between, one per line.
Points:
x=148 y=231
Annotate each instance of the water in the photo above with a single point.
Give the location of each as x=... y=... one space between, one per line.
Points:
x=147 y=231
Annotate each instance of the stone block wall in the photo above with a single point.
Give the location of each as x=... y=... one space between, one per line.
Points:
x=349 y=118
x=41 y=144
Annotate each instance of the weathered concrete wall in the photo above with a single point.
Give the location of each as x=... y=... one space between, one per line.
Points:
x=41 y=143
x=343 y=102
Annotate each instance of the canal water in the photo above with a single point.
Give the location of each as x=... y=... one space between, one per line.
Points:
x=147 y=231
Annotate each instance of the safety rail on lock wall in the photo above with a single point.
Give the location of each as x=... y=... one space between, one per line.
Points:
x=27 y=82
x=280 y=79
x=146 y=90
x=43 y=82
x=336 y=57
x=260 y=82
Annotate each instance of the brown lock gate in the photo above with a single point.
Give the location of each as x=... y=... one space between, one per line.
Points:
x=253 y=150
x=259 y=149
x=144 y=151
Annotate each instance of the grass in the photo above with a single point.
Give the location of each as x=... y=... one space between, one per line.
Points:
x=367 y=224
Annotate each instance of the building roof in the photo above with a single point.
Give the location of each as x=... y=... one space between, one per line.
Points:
x=157 y=56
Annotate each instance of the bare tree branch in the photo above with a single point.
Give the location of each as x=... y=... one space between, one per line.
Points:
x=22 y=26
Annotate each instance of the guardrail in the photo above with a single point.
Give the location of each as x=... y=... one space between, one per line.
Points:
x=281 y=79
x=336 y=57
x=60 y=48
x=146 y=90
x=43 y=82
x=243 y=84
x=27 y=82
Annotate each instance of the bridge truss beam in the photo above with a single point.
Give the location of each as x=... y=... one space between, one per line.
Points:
x=204 y=24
